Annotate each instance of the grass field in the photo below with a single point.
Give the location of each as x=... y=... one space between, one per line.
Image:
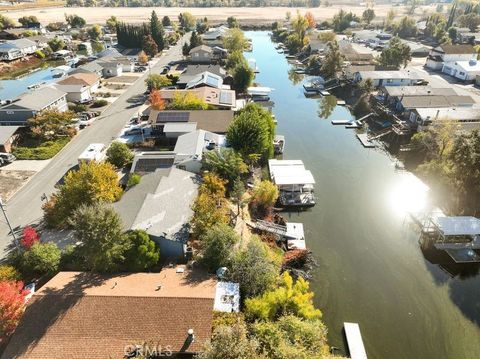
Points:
x=39 y=4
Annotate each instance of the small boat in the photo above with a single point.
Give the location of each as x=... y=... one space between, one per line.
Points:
x=299 y=71
x=279 y=144
x=313 y=86
x=36 y=86
x=325 y=93
x=290 y=57
x=341 y=103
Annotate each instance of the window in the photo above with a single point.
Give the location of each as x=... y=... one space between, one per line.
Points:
x=462 y=73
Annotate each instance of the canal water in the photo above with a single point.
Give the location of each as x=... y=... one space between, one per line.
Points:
x=11 y=89
x=409 y=303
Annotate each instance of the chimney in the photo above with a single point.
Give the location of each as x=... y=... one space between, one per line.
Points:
x=191 y=335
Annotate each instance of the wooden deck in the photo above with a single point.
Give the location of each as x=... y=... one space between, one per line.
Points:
x=365 y=140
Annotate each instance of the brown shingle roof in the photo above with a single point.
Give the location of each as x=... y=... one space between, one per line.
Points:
x=83 y=315
x=86 y=79
x=456 y=49
x=216 y=121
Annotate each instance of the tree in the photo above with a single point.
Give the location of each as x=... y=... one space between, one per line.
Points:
x=310 y=20
x=142 y=58
x=234 y=59
x=208 y=211
x=92 y=182
x=252 y=132
x=232 y=22
x=143 y=253
x=407 y=27
x=195 y=40
x=229 y=342
x=333 y=61
x=453 y=34
x=397 y=53
x=156 y=30
x=56 y=44
x=327 y=36
x=99 y=230
x=8 y=272
x=187 y=101
x=29 y=237
x=119 y=154
x=242 y=77
x=95 y=32
x=6 y=22
x=300 y=25
x=292 y=337
x=237 y=193
x=470 y=20
x=51 y=124
x=217 y=245
x=234 y=40
x=186 y=49
x=12 y=302
x=187 y=21
x=368 y=15
x=265 y=193
x=111 y=23
x=341 y=20
x=28 y=21
x=156 y=81
x=40 y=259
x=149 y=46
x=75 y=21
x=166 y=21
x=226 y=163
x=156 y=100
x=254 y=269
x=287 y=298
x=213 y=185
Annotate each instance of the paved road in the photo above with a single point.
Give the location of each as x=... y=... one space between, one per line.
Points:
x=25 y=206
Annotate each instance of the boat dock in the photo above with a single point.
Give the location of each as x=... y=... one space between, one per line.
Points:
x=354 y=341
x=363 y=137
x=292 y=233
x=342 y=122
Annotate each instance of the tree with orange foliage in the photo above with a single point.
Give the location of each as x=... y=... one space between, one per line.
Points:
x=12 y=302
x=156 y=100
x=310 y=19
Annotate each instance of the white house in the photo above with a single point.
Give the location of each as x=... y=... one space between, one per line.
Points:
x=15 y=49
x=443 y=54
x=215 y=33
x=79 y=87
x=463 y=70
x=389 y=78
x=110 y=68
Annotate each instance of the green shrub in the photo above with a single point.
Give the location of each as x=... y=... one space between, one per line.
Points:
x=133 y=179
x=43 y=151
x=39 y=54
x=77 y=107
x=8 y=272
x=99 y=103
x=119 y=154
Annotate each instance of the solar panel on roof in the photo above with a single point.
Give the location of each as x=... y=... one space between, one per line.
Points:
x=151 y=164
x=173 y=116
x=226 y=97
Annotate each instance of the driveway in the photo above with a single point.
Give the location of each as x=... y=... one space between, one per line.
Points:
x=25 y=206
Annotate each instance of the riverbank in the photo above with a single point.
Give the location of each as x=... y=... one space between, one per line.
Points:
x=372 y=269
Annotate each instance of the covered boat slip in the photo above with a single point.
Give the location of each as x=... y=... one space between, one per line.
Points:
x=354 y=341
x=457 y=232
x=294 y=182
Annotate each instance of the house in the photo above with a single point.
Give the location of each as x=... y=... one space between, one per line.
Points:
x=216 y=33
x=63 y=55
x=30 y=103
x=392 y=95
x=417 y=49
x=161 y=205
x=409 y=103
x=389 y=78
x=294 y=182
x=206 y=79
x=79 y=87
x=8 y=135
x=192 y=71
x=201 y=54
x=88 y=315
x=126 y=63
x=219 y=98
x=40 y=40
x=443 y=54
x=89 y=67
x=216 y=121
x=219 y=53
x=110 y=68
x=467 y=117
x=15 y=49
x=191 y=146
x=463 y=70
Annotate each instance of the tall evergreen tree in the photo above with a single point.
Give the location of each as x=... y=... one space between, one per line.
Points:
x=157 y=32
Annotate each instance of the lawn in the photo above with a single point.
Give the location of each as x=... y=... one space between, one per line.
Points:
x=31 y=149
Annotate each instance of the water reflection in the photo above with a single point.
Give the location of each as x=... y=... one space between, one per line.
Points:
x=409 y=194
x=296 y=78
x=326 y=105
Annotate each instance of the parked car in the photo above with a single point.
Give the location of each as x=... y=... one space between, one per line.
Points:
x=134 y=131
x=6 y=158
x=165 y=70
x=85 y=101
x=140 y=69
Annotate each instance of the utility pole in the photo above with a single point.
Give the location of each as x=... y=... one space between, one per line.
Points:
x=2 y=207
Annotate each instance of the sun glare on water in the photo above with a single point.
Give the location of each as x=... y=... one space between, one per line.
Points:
x=410 y=195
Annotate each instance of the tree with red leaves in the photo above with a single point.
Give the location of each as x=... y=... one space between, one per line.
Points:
x=310 y=19
x=12 y=302
x=156 y=100
x=29 y=237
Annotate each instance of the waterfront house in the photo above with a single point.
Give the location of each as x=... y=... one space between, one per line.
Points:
x=218 y=98
x=88 y=315
x=389 y=78
x=8 y=135
x=408 y=103
x=40 y=40
x=110 y=68
x=294 y=182
x=192 y=71
x=393 y=95
x=79 y=87
x=219 y=53
x=214 y=34
x=161 y=205
x=463 y=70
x=206 y=79
x=15 y=49
x=89 y=67
x=468 y=118
x=30 y=103
x=201 y=54
x=216 y=121
x=443 y=54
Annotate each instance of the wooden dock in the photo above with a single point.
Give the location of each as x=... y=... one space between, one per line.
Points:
x=365 y=140
x=354 y=341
